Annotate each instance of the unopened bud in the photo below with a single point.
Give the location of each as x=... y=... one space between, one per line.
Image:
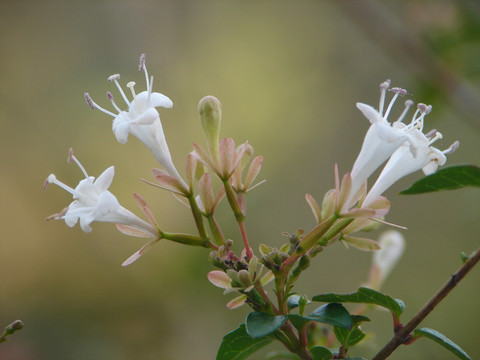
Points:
x=210 y=114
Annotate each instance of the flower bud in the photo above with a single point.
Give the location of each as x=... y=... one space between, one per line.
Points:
x=210 y=115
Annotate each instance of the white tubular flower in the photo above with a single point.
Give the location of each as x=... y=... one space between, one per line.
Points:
x=382 y=138
x=141 y=119
x=403 y=163
x=93 y=202
x=392 y=246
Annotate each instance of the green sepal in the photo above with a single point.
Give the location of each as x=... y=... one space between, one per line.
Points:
x=259 y=324
x=442 y=340
x=453 y=177
x=320 y=353
x=365 y=296
x=238 y=345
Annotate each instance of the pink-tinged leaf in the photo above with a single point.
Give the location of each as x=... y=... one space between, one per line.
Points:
x=345 y=190
x=146 y=209
x=359 y=213
x=328 y=203
x=253 y=171
x=220 y=279
x=315 y=208
x=227 y=156
x=58 y=216
x=190 y=167
x=139 y=253
x=238 y=156
x=362 y=243
x=237 y=302
x=380 y=203
x=170 y=189
x=220 y=195
x=168 y=182
x=131 y=231
x=205 y=158
x=206 y=192
x=268 y=277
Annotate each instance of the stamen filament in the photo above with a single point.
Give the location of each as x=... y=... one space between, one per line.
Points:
x=121 y=92
x=110 y=96
x=383 y=89
x=94 y=105
x=390 y=105
x=72 y=157
x=408 y=104
x=52 y=179
x=438 y=135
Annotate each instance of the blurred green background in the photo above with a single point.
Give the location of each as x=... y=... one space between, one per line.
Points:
x=288 y=74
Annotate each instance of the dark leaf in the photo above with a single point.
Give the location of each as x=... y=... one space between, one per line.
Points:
x=442 y=340
x=364 y=296
x=238 y=345
x=450 y=178
x=260 y=324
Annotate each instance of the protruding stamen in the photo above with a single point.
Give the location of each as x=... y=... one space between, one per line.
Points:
x=72 y=157
x=110 y=97
x=408 y=105
x=131 y=86
x=141 y=64
x=398 y=91
x=89 y=100
x=52 y=179
x=438 y=135
x=452 y=148
x=114 y=77
x=431 y=133
x=94 y=105
x=383 y=89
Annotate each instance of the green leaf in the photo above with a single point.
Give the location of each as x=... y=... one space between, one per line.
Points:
x=320 y=353
x=238 y=345
x=442 y=340
x=260 y=324
x=348 y=338
x=357 y=319
x=364 y=296
x=293 y=301
x=333 y=314
x=450 y=178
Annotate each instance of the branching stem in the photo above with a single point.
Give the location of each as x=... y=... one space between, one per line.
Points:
x=402 y=336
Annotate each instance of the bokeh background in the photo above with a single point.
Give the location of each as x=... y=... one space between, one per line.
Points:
x=288 y=74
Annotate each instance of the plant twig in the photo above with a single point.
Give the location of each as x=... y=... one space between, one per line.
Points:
x=403 y=335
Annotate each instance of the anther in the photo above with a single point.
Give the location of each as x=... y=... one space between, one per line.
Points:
x=89 y=100
x=70 y=155
x=452 y=148
x=114 y=77
x=131 y=86
x=438 y=135
x=408 y=104
x=424 y=109
x=399 y=91
x=431 y=134
x=385 y=85
x=141 y=64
